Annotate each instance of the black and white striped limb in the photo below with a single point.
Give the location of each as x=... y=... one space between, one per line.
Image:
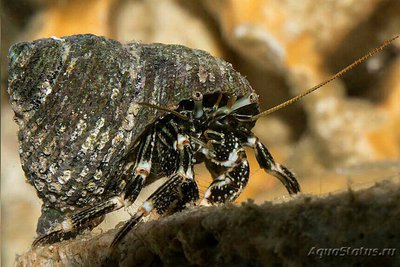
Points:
x=229 y=185
x=225 y=154
x=178 y=190
x=267 y=162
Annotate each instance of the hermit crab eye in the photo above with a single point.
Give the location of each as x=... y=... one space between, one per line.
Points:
x=197 y=96
x=253 y=98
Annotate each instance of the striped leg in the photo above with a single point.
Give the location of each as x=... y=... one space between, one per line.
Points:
x=266 y=161
x=229 y=185
x=77 y=222
x=228 y=164
x=141 y=168
x=171 y=196
x=179 y=190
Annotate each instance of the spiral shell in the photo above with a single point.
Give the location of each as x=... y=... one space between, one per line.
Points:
x=75 y=100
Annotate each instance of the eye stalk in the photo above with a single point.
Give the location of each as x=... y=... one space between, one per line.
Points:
x=235 y=104
x=198 y=104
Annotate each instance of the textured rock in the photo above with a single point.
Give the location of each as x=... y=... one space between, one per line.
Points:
x=279 y=33
x=386 y=138
x=251 y=235
x=60 y=18
x=165 y=21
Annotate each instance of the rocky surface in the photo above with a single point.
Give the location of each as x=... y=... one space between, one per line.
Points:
x=251 y=235
x=346 y=134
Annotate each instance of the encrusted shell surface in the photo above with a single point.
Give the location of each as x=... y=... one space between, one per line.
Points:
x=75 y=100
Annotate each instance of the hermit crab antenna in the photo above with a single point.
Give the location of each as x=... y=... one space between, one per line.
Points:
x=337 y=75
x=164 y=109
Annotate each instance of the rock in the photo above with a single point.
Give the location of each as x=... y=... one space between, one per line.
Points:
x=386 y=138
x=61 y=18
x=165 y=21
x=278 y=34
x=296 y=232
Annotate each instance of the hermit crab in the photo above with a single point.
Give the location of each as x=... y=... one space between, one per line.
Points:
x=100 y=120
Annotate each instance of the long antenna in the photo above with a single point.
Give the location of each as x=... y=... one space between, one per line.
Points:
x=335 y=76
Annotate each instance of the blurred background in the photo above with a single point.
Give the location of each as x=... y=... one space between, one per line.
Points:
x=345 y=135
